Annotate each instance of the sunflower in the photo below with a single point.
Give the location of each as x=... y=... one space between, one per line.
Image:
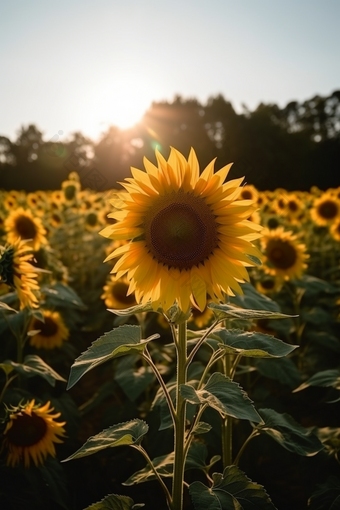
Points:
x=249 y=192
x=22 y=224
x=30 y=433
x=70 y=189
x=32 y=200
x=335 y=230
x=17 y=271
x=56 y=219
x=268 y=284
x=200 y=319
x=189 y=234
x=116 y=295
x=52 y=331
x=284 y=256
x=294 y=208
x=92 y=222
x=325 y=209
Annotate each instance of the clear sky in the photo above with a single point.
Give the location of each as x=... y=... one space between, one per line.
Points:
x=79 y=65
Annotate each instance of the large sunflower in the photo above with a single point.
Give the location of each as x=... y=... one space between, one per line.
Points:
x=284 y=255
x=52 y=332
x=189 y=234
x=17 y=271
x=21 y=224
x=30 y=434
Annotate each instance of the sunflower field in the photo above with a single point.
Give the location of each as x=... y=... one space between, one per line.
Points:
x=172 y=344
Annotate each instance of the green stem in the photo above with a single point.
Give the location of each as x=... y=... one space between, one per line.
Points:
x=253 y=434
x=180 y=418
x=146 y=356
x=149 y=461
x=200 y=342
x=227 y=450
x=227 y=425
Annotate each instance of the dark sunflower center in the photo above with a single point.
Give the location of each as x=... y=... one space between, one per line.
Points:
x=181 y=233
x=47 y=328
x=281 y=254
x=70 y=192
x=246 y=195
x=268 y=283
x=91 y=219
x=328 y=210
x=56 y=218
x=27 y=430
x=273 y=223
x=292 y=206
x=25 y=227
x=119 y=291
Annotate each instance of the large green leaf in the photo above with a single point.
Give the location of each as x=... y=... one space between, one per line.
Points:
x=326 y=378
x=117 y=342
x=283 y=370
x=253 y=299
x=253 y=344
x=122 y=434
x=288 y=433
x=114 y=502
x=34 y=365
x=232 y=490
x=226 y=311
x=224 y=395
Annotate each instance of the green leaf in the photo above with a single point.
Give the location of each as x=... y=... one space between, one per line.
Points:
x=326 y=496
x=253 y=299
x=324 y=339
x=5 y=306
x=224 y=395
x=62 y=295
x=7 y=367
x=34 y=365
x=202 y=428
x=233 y=312
x=288 y=433
x=326 y=378
x=132 y=310
x=232 y=490
x=253 y=344
x=135 y=380
x=114 y=502
x=316 y=316
x=118 y=342
x=164 y=465
x=122 y=434
x=279 y=369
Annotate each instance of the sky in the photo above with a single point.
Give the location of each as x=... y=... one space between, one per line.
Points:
x=79 y=65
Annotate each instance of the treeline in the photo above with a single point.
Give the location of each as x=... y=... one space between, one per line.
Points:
x=294 y=147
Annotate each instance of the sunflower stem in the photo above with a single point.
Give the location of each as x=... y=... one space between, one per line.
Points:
x=227 y=448
x=180 y=419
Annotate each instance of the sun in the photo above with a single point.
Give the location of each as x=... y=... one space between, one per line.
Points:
x=121 y=101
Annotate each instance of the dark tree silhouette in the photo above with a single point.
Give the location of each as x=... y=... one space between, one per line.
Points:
x=294 y=147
